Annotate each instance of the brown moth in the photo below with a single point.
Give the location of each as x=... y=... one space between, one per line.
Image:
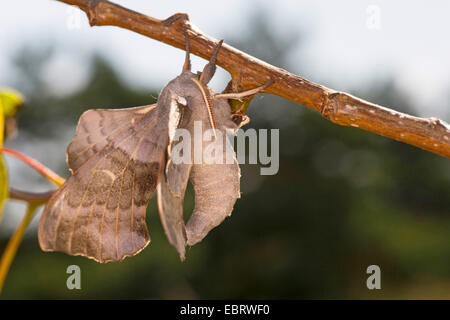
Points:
x=119 y=157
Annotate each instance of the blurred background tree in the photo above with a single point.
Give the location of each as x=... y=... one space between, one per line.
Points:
x=343 y=199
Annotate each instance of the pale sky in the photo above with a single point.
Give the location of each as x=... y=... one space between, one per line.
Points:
x=347 y=42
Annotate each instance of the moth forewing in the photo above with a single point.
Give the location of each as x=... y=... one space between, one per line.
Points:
x=100 y=210
x=170 y=205
x=96 y=128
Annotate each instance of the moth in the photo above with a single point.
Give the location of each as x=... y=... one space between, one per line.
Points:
x=119 y=157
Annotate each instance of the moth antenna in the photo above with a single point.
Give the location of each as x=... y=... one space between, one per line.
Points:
x=187 y=60
x=208 y=104
x=210 y=68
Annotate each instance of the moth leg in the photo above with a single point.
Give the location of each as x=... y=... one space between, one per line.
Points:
x=187 y=61
x=240 y=119
x=240 y=95
x=210 y=68
x=245 y=120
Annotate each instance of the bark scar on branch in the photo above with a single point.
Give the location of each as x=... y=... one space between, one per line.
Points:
x=90 y=12
x=430 y=134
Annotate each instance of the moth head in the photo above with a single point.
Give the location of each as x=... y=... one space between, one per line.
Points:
x=190 y=90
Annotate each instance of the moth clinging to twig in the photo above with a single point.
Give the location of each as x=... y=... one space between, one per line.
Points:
x=118 y=158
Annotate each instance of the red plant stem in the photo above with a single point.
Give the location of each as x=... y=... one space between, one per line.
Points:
x=39 y=167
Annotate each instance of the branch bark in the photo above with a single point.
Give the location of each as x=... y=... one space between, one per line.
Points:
x=341 y=108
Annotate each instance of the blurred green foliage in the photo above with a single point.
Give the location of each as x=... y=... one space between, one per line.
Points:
x=343 y=199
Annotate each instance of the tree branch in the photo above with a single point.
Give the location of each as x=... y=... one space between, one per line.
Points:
x=341 y=108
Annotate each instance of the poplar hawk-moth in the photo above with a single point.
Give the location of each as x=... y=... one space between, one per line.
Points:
x=118 y=158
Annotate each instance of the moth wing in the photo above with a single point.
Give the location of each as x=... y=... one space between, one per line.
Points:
x=98 y=127
x=216 y=185
x=216 y=189
x=171 y=190
x=99 y=212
